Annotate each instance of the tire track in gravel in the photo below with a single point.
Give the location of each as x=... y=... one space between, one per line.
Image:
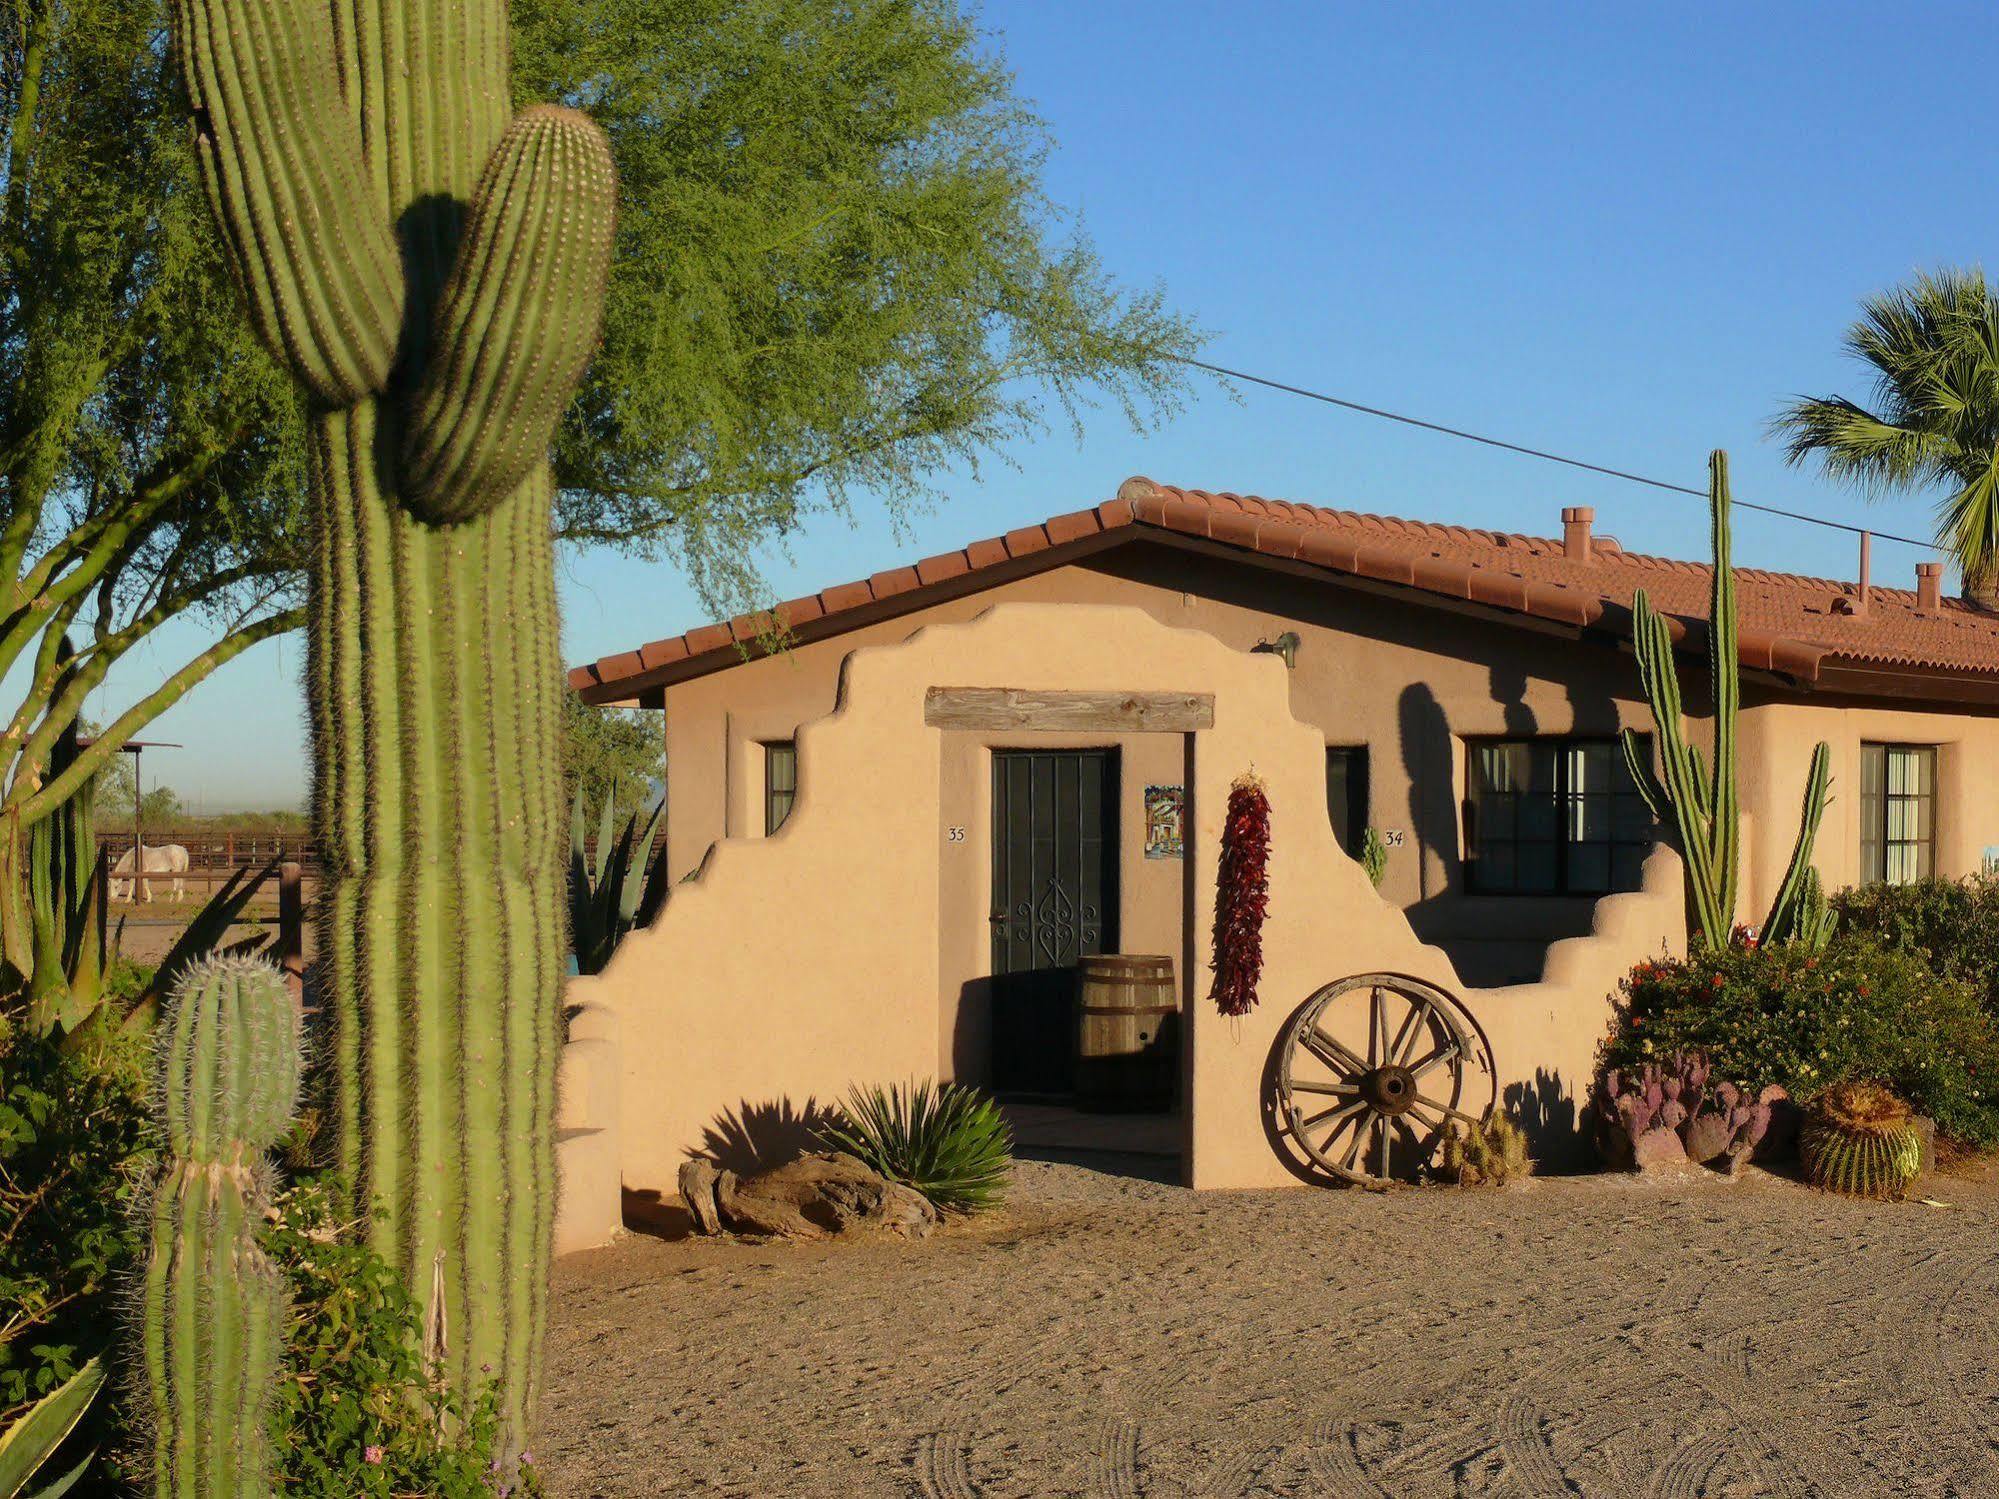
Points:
x=943 y=1455
x=1919 y=1369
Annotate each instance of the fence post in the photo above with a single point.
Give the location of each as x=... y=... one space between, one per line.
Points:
x=291 y=929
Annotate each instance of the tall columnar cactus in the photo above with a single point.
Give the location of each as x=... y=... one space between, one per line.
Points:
x=431 y=269
x=67 y=887
x=1700 y=804
x=213 y=1312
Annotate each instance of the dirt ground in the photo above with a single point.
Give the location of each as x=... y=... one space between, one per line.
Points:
x=1110 y=1336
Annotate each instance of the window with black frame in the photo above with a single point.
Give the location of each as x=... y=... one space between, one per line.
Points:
x=780 y=782
x=1553 y=817
x=1898 y=812
x=1346 y=794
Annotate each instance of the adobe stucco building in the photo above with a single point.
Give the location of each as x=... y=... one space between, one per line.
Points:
x=956 y=770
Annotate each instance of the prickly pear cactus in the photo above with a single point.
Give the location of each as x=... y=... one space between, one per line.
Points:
x=1861 y=1140
x=213 y=1308
x=430 y=267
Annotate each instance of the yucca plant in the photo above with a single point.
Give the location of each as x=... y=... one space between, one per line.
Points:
x=623 y=887
x=948 y=1141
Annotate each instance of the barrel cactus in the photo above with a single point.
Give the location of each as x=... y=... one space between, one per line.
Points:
x=213 y=1308
x=430 y=268
x=1862 y=1140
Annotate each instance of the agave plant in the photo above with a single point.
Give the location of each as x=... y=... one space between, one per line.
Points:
x=948 y=1141
x=623 y=887
x=29 y=1443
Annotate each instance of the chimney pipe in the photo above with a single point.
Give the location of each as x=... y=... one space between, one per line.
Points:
x=1929 y=587
x=1866 y=569
x=1576 y=522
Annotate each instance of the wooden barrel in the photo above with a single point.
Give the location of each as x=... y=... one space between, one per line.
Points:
x=1127 y=1034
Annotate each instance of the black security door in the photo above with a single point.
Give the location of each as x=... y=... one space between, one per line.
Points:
x=1055 y=898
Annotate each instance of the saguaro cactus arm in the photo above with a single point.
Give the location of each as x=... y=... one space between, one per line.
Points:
x=519 y=317
x=281 y=157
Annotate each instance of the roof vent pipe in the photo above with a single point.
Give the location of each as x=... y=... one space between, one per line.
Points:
x=1929 y=586
x=1576 y=522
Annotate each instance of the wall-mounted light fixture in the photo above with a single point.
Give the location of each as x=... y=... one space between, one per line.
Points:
x=1285 y=645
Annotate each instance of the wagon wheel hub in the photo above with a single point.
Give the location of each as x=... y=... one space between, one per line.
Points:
x=1390 y=1090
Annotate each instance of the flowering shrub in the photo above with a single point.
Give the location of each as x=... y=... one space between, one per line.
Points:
x=1857 y=1011
x=357 y=1415
x=1953 y=925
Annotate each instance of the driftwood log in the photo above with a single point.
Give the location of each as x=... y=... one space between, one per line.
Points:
x=809 y=1198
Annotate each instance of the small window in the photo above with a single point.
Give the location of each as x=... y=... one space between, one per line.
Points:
x=780 y=782
x=1346 y=794
x=1898 y=812
x=1553 y=817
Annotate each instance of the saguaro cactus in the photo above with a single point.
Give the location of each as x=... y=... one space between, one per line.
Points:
x=432 y=273
x=1699 y=803
x=213 y=1311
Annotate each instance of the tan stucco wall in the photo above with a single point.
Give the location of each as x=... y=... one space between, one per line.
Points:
x=830 y=954
x=1411 y=681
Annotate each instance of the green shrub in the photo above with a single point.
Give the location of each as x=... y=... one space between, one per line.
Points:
x=1953 y=925
x=357 y=1414
x=948 y=1141
x=1856 y=1012
x=75 y=1141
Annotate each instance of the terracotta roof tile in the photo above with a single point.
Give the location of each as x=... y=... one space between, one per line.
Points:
x=1790 y=624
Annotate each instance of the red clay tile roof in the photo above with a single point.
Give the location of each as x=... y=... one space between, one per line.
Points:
x=1789 y=624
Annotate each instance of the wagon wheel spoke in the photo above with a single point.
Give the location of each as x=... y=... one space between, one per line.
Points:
x=1435 y=1059
x=1410 y=1032
x=1446 y=1110
x=1343 y=1090
x=1377 y=1029
x=1384 y=1134
x=1338 y=1113
x=1353 y=1149
x=1334 y=1053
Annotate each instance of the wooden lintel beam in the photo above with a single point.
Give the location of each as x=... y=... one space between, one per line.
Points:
x=1068 y=712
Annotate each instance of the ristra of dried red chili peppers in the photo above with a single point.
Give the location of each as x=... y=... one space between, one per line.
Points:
x=1242 y=897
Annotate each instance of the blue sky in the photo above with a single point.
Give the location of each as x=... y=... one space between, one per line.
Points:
x=1621 y=232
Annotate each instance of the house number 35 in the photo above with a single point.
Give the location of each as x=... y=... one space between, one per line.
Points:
x=954 y=835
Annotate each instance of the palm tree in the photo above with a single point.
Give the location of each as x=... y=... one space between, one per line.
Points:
x=1933 y=347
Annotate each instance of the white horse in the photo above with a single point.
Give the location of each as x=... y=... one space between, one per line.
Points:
x=161 y=858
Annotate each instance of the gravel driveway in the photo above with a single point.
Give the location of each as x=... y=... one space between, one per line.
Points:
x=1112 y=1336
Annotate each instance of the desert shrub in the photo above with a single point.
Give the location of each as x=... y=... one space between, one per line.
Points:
x=1857 y=1011
x=1953 y=925
x=357 y=1412
x=75 y=1142
x=948 y=1141
x=1491 y=1155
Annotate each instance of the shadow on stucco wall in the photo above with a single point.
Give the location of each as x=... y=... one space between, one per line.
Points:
x=1546 y=1112
x=755 y=1137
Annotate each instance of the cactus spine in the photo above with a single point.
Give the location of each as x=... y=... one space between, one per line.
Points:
x=213 y=1310
x=1700 y=804
x=432 y=272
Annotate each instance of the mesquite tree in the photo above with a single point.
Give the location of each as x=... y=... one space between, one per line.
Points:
x=430 y=268
x=1697 y=802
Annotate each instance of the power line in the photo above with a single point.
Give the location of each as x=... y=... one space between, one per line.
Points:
x=1514 y=447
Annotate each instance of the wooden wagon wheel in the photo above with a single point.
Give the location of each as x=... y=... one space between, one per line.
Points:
x=1370 y=1111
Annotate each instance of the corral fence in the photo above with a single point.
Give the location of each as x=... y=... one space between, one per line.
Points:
x=213 y=857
